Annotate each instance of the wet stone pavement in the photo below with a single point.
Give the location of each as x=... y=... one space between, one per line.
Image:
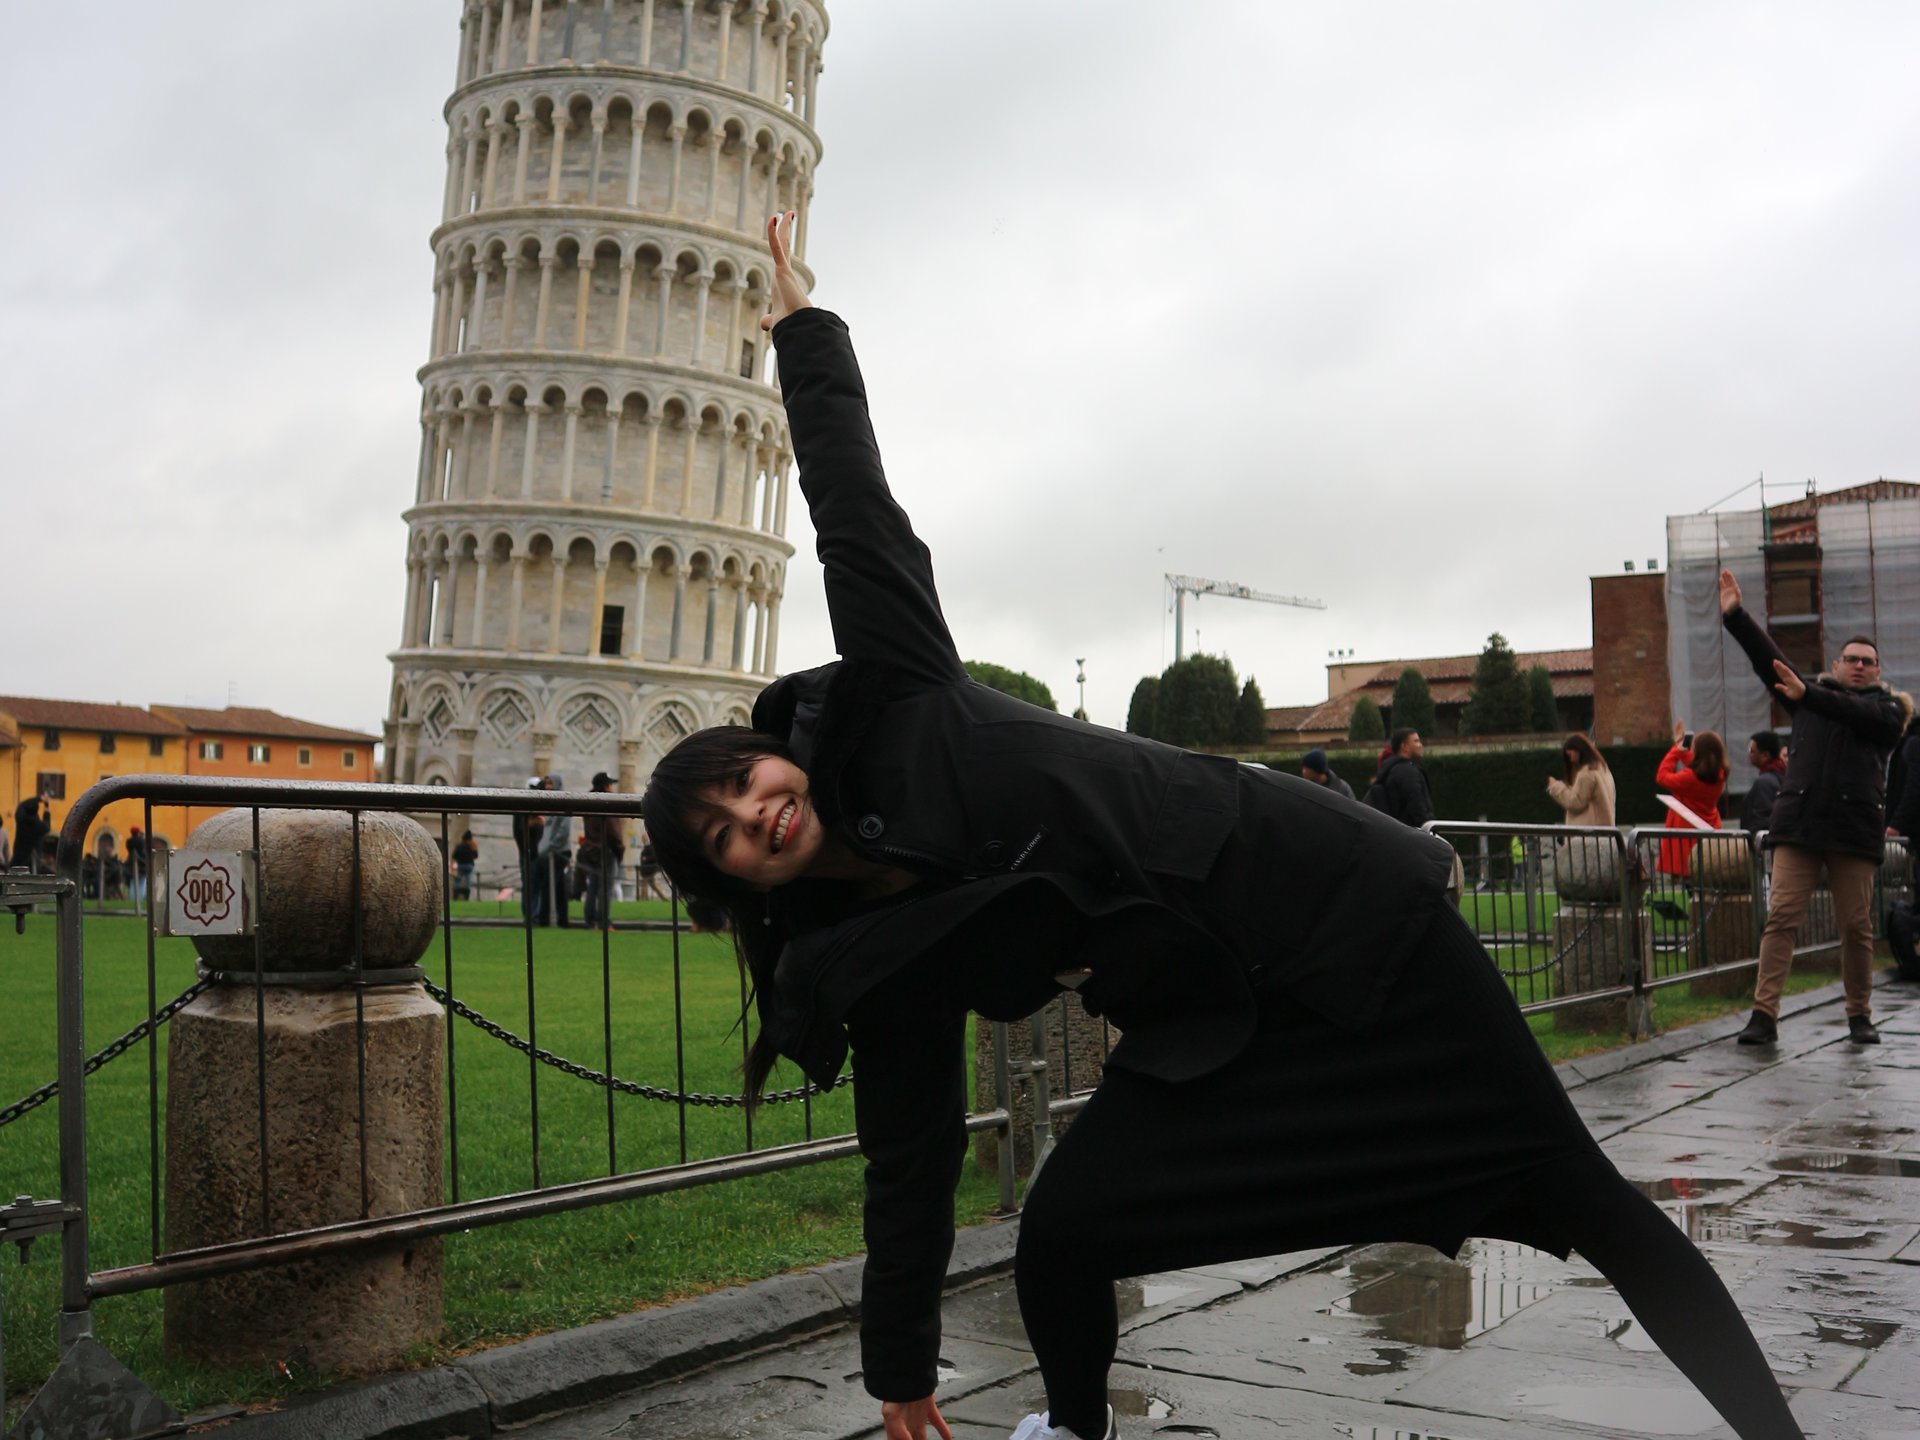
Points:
x=1796 y=1169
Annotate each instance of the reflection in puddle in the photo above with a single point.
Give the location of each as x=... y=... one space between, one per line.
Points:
x=1861 y=1334
x=1720 y=1223
x=1617 y=1408
x=1138 y=1402
x=1839 y=1162
x=1376 y=1432
x=1419 y=1297
x=1685 y=1187
x=1135 y=1296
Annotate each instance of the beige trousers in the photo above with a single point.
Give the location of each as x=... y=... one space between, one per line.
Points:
x=1795 y=869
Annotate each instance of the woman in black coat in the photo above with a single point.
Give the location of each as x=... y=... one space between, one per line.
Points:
x=1315 y=1048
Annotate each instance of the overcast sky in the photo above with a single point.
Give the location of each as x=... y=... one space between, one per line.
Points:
x=1428 y=311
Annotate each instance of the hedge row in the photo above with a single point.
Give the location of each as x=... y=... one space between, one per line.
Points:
x=1504 y=784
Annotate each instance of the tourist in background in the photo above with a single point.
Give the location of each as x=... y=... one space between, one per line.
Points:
x=1694 y=772
x=1903 y=786
x=528 y=831
x=1769 y=759
x=465 y=856
x=601 y=851
x=137 y=865
x=1831 y=810
x=1584 y=866
x=555 y=856
x=6 y=853
x=1400 y=786
x=32 y=823
x=1313 y=766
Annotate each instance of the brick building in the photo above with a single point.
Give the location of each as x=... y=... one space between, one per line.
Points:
x=1449 y=680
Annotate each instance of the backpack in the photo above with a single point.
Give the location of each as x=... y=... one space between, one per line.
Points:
x=1378 y=796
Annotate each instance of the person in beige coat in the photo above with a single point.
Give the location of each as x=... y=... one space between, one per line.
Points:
x=1585 y=867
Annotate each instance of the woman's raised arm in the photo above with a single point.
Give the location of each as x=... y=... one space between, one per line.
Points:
x=879 y=576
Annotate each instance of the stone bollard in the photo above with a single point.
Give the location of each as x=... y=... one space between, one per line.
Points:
x=1587 y=944
x=355 y=1310
x=1720 y=894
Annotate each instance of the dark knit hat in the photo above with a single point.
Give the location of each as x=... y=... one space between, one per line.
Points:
x=1315 y=760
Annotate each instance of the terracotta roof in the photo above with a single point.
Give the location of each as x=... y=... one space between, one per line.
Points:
x=1882 y=489
x=86 y=715
x=246 y=720
x=1449 y=680
x=1460 y=667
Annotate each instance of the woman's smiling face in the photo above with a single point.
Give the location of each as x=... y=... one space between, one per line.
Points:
x=761 y=827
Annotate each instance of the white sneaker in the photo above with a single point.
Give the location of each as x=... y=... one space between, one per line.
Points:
x=1035 y=1427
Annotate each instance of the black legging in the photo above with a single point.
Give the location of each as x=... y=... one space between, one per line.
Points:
x=1067 y=1300
x=1441 y=1121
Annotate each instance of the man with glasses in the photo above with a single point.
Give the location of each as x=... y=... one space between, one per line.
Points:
x=1831 y=810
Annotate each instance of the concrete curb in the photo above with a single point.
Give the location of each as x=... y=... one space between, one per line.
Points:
x=509 y=1385
x=473 y=1398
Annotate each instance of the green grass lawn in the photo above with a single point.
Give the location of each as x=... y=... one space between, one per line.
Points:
x=502 y=1281
x=511 y=1280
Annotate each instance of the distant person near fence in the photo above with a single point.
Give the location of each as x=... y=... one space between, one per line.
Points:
x=1400 y=786
x=1831 y=810
x=601 y=851
x=1584 y=866
x=1313 y=766
x=466 y=855
x=1694 y=772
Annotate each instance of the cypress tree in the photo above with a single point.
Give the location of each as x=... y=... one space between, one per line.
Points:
x=1498 y=702
x=1143 y=707
x=1413 y=703
x=1366 y=723
x=1197 y=697
x=1542 y=713
x=1250 y=716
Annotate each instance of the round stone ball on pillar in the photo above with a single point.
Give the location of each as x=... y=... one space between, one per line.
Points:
x=328 y=1158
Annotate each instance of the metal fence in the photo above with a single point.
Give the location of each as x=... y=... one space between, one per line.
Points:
x=792 y=1133
x=1571 y=916
x=1578 y=918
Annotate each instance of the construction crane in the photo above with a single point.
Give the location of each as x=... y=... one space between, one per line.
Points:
x=1185 y=585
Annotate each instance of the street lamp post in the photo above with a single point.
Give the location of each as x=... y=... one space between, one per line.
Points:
x=1081 y=678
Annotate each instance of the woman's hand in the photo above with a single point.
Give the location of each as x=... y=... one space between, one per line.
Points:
x=908 y=1420
x=1729 y=593
x=1679 y=732
x=1791 y=685
x=789 y=294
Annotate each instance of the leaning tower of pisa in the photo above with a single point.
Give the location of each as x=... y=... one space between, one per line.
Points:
x=595 y=548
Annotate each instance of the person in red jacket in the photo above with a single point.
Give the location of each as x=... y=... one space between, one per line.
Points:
x=1695 y=778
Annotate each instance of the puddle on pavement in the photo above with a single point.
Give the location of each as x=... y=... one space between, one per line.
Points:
x=1846 y=1162
x=1621 y=1409
x=1139 y=1403
x=1719 y=1222
x=1685 y=1187
x=1684 y=1199
x=1860 y=1334
x=1428 y=1300
x=1134 y=1296
x=1376 y=1432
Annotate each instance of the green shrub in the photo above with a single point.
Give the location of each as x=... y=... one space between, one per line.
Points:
x=1412 y=703
x=1016 y=683
x=1143 y=709
x=1542 y=713
x=1197 y=698
x=1366 y=723
x=1250 y=716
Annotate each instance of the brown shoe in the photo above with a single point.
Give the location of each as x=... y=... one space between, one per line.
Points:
x=1761 y=1030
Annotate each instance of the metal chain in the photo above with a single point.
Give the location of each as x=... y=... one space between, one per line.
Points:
x=614 y=1082
x=112 y=1052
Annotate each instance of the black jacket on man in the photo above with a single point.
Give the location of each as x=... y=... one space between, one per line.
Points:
x=1044 y=844
x=1409 y=798
x=1833 y=796
x=1903 y=786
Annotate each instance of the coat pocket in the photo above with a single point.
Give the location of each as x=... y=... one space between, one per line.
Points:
x=1197 y=812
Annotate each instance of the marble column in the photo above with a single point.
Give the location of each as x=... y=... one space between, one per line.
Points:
x=686 y=470
x=481 y=270
x=496 y=134
x=566 y=454
x=678 y=135
x=517 y=592
x=736 y=296
x=646 y=34
x=713 y=615
x=559 y=155
x=772 y=657
x=449 y=593
x=624 y=310
x=499 y=408
x=522 y=154
x=613 y=451
x=533 y=35
x=543 y=309
x=509 y=299
x=679 y=609
x=636 y=153
x=583 y=296
x=653 y=459
x=530 y=447
x=664 y=274
x=702 y=285
x=555 y=603
x=643 y=570
x=599 y=151
x=478 y=638
x=599 y=605
x=716 y=142
x=738 y=657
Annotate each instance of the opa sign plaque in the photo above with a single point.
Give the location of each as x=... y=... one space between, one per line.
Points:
x=208 y=892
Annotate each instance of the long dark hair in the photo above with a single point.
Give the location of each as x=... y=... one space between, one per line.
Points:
x=675 y=805
x=1708 y=759
x=1585 y=751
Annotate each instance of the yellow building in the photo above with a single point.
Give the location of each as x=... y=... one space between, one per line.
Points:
x=61 y=747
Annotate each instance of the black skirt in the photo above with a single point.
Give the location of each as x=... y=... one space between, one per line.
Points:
x=1433 y=1125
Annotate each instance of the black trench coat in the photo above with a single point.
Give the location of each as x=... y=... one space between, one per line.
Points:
x=1184 y=881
